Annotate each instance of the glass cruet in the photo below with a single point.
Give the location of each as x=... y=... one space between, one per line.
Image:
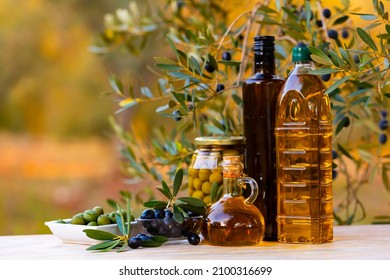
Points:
x=234 y=220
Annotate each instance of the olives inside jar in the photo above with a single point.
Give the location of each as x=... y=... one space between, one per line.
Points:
x=204 y=173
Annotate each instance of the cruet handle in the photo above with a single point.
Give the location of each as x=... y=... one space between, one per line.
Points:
x=255 y=189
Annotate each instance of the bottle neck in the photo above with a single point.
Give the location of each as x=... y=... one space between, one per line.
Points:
x=303 y=67
x=231 y=187
x=264 y=63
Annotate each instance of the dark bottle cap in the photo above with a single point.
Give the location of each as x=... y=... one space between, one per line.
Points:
x=264 y=56
x=264 y=44
x=301 y=53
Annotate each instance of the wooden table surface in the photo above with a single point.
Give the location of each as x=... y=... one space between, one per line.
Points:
x=350 y=243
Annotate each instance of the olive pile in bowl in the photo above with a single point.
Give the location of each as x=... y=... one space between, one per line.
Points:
x=161 y=222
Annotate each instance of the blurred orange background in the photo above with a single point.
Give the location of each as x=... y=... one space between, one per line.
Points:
x=58 y=155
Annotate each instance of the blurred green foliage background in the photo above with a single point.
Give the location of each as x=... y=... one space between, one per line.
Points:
x=57 y=155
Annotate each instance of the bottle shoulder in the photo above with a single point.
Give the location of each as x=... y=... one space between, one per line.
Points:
x=304 y=83
x=260 y=77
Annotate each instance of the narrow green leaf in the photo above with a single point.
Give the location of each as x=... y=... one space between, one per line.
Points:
x=111 y=202
x=193 y=201
x=237 y=99
x=166 y=189
x=324 y=70
x=116 y=84
x=210 y=58
x=388 y=28
x=337 y=84
x=169 y=67
x=178 y=179
x=195 y=64
x=339 y=127
x=159 y=238
x=119 y=220
x=194 y=209
x=360 y=100
x=220 y=191
x=125 y=194
x=150 y=243
x=213 y=192
x=177 y=215
x=172 y=45
x=162 y=108
x=321 y=60
x=155 y=204
x=163 y=192
x=341 y=20
x=337 y=61
x=338 y=219
x=319 y=55
x=373 y=25
x=124 y=246
x=344 y=151
x=99 y=234
x=102 y=245
x=366 y=16
x=366 y=38
x=164 y=60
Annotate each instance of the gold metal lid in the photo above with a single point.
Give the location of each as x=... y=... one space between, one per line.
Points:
x=220 y=140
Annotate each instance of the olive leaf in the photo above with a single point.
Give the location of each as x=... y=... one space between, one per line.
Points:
x=193 y=201
x=366 y=38
x=155 y=204
x=103 y=245
x=99 y=234
x=177 y=181
x=182 y=206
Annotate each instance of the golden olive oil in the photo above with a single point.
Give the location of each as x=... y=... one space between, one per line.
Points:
x=304 y=156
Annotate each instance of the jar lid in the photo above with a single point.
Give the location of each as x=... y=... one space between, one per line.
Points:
x=220 y=140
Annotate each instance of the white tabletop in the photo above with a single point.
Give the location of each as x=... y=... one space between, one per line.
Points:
x=350 y=243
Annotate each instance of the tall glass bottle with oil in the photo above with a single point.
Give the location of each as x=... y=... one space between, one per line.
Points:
x=260 y=94
x=304 y=156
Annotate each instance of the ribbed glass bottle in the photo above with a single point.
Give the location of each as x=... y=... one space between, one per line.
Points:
x=304 y=156
x=260 y=94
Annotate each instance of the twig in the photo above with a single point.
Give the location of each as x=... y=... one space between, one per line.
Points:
x=230 y=28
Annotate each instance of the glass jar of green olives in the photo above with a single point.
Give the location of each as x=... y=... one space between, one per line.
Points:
x=204 y=173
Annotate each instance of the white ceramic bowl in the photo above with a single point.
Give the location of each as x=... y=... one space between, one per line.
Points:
x=70 y=233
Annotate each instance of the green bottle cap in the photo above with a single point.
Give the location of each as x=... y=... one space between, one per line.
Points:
x=301 y=53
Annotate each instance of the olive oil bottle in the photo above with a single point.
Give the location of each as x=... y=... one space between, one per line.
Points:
x=234 y=220
x=260 y=94
x=304 y=156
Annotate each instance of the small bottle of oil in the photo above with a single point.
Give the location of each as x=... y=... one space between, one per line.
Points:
x=234 y=220
x=304 y=156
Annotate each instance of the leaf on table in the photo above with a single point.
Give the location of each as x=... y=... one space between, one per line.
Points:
x=99 y=234
x=102 y=245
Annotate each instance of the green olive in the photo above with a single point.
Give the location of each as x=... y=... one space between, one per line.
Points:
x=77 y=220
x=103 y=220
x=99 y=210
x=92 y=224
x=90 y=215
x=112 y=217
